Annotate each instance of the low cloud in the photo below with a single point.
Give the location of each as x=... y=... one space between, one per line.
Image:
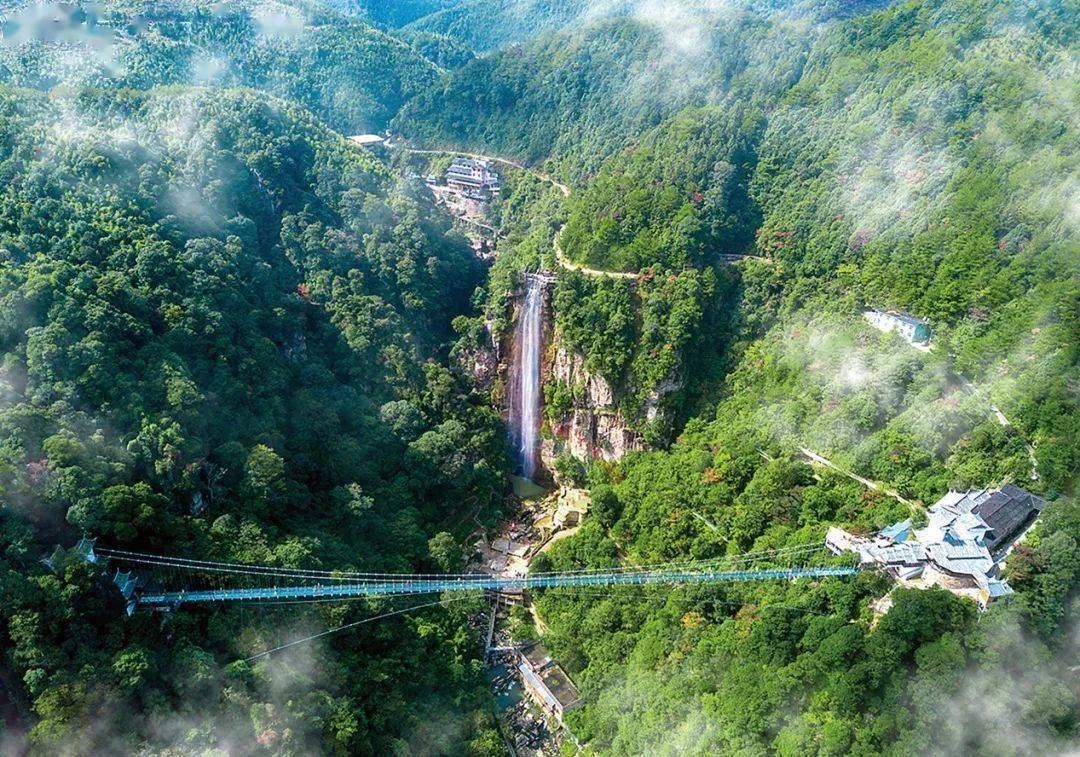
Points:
x=275 y=21
x=1014 y=704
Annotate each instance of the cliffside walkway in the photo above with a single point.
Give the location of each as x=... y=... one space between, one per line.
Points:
x=814 y=457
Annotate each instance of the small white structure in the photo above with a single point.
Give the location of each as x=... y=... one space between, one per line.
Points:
x=914 y=330
x=367 y=140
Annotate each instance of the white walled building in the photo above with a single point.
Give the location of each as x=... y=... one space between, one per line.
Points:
x=473 y=176
x=914 y=330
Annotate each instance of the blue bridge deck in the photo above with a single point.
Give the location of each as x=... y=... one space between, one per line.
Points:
x=479 y=583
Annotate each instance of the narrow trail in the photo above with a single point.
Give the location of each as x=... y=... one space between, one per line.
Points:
x=821 y=460
x=983 y=394
x=735 y=257
x=570 y=265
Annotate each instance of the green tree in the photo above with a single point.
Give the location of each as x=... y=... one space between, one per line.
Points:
x=445 y=551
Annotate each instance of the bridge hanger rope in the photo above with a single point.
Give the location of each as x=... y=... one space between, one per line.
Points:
x=181 y=563
x=633 y=590
x=353 y=625
x=361 y=597
x=134 y=556
x=627 y=590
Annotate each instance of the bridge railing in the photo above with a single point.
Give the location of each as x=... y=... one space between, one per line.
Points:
x=479 y=583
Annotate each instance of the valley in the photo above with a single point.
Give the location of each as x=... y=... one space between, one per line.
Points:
x=552 y=378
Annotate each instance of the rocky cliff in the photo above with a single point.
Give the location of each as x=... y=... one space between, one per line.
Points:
x=592 y=426
x=585 y=419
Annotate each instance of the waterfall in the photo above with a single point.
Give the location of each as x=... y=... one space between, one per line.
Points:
x=525 y=382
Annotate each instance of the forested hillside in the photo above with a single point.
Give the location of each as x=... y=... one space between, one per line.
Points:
x=486 y=25
x=923 y=157
x=800 y=668
x=342 y=69
x=480 y=25
x=918 y=157
x=216 y=326
x=582 y=95
x=228 y=333
x=677 y=199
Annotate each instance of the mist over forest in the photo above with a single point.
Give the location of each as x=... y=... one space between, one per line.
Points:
x=253 y=351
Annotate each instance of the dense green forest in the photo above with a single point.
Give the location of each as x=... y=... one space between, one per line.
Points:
x=481 y=25
x=584 y=95
x=228 y=333
x=218 y=321
x=920 y=157
x=799 y=668
x=350 y=74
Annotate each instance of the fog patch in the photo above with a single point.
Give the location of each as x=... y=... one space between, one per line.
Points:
x=1052 y=92
x=897 y=155
x=58 y=24
x=674 y=728
x=1011 y=703
x=274 y=21
x=893 y=179
x=76 y=47
x=680 y=23
x=208 y=69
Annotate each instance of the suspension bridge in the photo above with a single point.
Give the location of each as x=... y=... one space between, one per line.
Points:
x=142 y=584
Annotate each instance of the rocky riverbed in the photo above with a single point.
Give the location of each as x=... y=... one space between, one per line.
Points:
x=507 y=552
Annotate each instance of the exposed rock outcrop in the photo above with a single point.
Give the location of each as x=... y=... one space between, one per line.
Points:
x=569 y=368
x=590 y=424
x=593 y=427
x=654 y=402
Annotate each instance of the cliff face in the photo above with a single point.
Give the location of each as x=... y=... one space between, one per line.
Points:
x=592 y=427
x=584 y=417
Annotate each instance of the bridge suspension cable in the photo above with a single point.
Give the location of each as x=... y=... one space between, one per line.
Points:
x=163 y=561
x=298 y=585
x=353 y=625
x=480 y=583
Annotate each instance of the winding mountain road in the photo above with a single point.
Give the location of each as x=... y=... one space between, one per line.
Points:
x=494 y=159
x=560 y=256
